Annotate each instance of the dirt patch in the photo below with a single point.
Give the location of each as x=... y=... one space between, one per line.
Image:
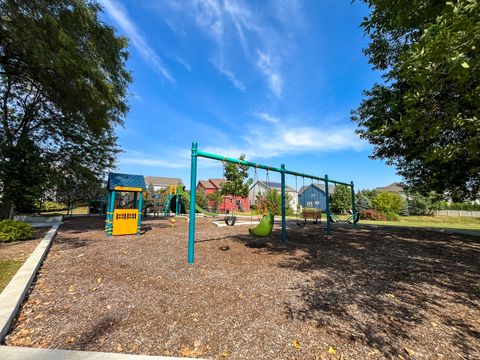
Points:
x=370 y=293
x=21 y=250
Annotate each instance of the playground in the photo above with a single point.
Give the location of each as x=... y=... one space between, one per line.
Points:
x=359 y=293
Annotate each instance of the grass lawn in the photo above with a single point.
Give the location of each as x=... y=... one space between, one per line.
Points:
x=8 y=268
x=81 y=210
x=446 y=222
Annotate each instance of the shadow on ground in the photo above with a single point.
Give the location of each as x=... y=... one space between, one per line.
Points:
x=383 y=288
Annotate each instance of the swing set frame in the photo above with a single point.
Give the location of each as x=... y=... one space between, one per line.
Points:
x=283 y=172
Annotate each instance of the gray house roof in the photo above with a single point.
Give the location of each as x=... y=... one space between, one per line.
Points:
x=319 y=186
x=162 y=181
x=272 y=185
x=393 y=187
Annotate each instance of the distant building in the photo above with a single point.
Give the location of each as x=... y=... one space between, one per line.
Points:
x=161 y=183
x=395 y=187
x=261 y=187
x=314 y=196
x=230 y=203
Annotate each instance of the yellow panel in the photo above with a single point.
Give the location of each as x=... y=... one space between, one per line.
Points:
x=125 y=221
x=126 y=188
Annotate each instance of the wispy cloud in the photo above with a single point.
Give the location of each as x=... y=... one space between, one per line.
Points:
x=229 y=23
x=133 y=157
x=220 y=66
x=122 y=18
x=269 y=68
x=266 y=117
x=277 y=138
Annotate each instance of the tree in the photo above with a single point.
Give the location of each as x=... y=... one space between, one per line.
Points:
x=341 y=198
x=202 y=199
x=387 y=202
x=75 y=183
x=424 y=118
x=419 y=204
x=63 y=88
x=273 y=201
x=364 y=198
x=237 y=182
x=215 y=199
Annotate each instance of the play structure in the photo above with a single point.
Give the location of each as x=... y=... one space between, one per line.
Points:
x=124 y=204
x=266 y=224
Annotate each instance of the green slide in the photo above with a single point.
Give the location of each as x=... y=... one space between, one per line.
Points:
x=264 y=228
x=197 y=207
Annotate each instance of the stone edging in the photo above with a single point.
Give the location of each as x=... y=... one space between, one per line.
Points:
x=13 y=295
x=22 y=353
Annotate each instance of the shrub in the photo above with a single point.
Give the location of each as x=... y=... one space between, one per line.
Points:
x=387 y=201
x=392 y=216
x=15 y=230
x=373 y=215
x=53 y=206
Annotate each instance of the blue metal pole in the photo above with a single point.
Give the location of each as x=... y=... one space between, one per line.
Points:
x=112 y=209
x=140 y=205
x=353 y=205
x=107 y=214
x=284 y=207
x=193 y=200
x=328 y=229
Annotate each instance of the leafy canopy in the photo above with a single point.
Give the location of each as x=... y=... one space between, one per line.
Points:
x=425 y=117
x=341 y=198
x=236 y=182
x=215 y=199
x=386 y=202
x=63 y=88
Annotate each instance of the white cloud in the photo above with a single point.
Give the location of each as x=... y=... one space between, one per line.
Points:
x=229 y=74
x=266 y=117
x=230 y=23
x=269 y=68
x=129 y=28
x=275 y=139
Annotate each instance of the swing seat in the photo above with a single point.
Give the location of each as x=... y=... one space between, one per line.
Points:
x=264 y=228
x=230 y=220
x=354 y=218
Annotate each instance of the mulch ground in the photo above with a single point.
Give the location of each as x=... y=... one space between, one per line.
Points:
x=21 y=250
x=363 y=294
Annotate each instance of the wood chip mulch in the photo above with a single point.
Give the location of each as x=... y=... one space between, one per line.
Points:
x=357 y=294
x=21 y=250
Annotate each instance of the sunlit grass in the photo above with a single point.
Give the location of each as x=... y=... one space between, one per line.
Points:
x=8 y=268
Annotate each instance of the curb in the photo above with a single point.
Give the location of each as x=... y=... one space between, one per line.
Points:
x=12 y=296
x=21 y=353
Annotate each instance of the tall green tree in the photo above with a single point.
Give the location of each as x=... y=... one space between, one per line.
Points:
x=236 y=182
x=341 y=198
x=63 y=88
x=425 y=116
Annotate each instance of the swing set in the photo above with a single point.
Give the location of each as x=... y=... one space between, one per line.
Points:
x=268 y=218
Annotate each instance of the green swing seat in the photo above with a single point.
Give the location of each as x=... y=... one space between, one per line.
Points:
x=264 y=228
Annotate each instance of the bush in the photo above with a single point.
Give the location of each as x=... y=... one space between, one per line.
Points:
x=15 y=230
x=373 y=215
x=392 y=216
x=53 y=206
x=388 y=201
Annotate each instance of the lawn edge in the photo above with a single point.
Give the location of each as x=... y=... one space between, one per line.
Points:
x=13 y=295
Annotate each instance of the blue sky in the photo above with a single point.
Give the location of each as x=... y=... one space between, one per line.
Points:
x=275 y=80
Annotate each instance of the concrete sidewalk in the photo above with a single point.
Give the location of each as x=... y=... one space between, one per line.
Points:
x=23 y=353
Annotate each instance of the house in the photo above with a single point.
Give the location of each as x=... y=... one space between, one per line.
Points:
x=161 y=183
x=314 y=196
x=396 y=187
x=230 y=203
x=261 y=187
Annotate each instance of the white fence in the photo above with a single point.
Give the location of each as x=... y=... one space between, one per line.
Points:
x=466 y=213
